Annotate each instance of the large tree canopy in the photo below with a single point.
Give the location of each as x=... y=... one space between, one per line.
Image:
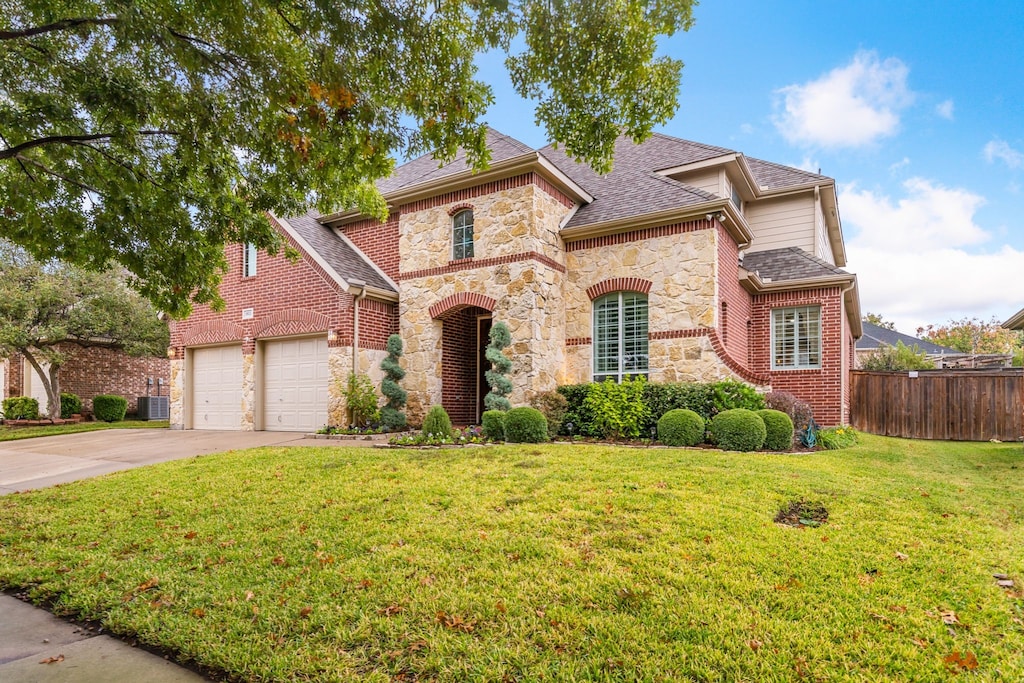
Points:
x=150 y=134
x=45 y=307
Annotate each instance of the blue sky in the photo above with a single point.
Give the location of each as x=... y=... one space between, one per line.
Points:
x=915 y=108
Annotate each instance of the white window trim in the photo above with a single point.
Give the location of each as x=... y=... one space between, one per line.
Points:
x=620 y=372
x=796 y=340
x=249 y=260
x=472 y=234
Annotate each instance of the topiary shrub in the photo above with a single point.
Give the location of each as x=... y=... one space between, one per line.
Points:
x=21 y=408
x=70 y=405
x=738 y=429
x=681 y=427
x=778 y=430
x=494 y=424
x=437 y=423
x=392 y=417
x=109 y=408
x=525 y=425
x=553 y=406
x=501 y=386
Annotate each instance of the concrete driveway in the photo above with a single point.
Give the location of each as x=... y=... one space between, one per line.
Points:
x=49 y=460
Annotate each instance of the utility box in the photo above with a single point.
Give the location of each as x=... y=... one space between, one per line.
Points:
x=154 y=408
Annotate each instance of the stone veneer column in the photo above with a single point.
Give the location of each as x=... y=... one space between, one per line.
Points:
x=177 y=393
x=248 y=392
x=339 y=364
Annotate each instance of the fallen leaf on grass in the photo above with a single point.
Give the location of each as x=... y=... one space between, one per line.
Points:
x=754 y=645
x=901 y=556
x=52 y=660
x=500 y=606
x=305 y=612
x=146 y=585
x=902 y=609
x=920 y=643
x=391 y=610
x=949 y=617
x=199 y=613
x=278 y=560
x=960 y=662
x=455 y=622
x=190 y=535
x=249 y=595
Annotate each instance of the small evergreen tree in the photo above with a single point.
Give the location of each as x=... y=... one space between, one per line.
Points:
x=391 y=416
x=500 y=385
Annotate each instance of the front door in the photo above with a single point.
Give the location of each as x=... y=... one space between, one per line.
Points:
x=483 y=330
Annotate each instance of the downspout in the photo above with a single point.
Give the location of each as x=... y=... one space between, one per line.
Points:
x=361 y=286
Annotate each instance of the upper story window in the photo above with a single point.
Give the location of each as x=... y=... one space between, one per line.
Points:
x=736 y=200
x=248 y=259
x=796 y=338
x=620 y=336
x=462 y=235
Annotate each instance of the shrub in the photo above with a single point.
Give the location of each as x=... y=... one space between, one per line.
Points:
x=618 y=409
x=494 y=424
x=109 y=408
x=778 y=429
x=799 y=412
x=361 y=400
x=896 y=358
x=70 y=405
x=525 y=425
x=553 y=406
x=21 y=408
x=738 y=429
x=576 y=411
x=730 y=394
x=501 y=386
x=392 y=418
x=437 y=423
x=681 y=427
x=661 y=398
x=835 y=438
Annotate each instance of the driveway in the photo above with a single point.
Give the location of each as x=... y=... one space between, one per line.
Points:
x=49 y=460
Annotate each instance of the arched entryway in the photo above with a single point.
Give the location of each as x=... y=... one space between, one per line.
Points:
x=465 y=325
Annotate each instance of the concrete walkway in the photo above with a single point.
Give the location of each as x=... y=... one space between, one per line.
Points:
x=35 y=646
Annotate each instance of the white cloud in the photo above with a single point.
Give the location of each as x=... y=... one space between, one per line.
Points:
x=746 y=128
x=945 y=109
x=850 y=106
x=1000 y=149
x=918 y=259
x=902 y=163
x=808 y=164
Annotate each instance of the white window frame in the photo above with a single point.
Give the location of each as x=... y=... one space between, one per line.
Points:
x=641 y=339
x=803 y=316
x=462 y=235
x=248 y=260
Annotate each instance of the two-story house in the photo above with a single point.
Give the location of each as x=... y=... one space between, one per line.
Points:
x=686 y=263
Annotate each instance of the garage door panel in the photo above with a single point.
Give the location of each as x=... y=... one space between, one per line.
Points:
x=295 y=379
x=217 y=388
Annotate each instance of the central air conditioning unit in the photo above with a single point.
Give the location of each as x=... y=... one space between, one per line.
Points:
x=154 y=408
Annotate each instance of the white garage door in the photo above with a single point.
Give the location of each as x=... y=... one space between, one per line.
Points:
x=295 y=382
x=35 y=387
x=217 y=388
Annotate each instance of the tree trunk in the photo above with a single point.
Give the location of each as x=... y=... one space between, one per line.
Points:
x=51 y=382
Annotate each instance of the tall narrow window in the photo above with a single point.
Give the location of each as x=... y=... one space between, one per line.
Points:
x=620 y=336
x=796 y=338
x=248 y=259
x=462 y=235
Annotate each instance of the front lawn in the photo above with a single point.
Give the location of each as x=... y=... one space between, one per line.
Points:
x=552 y=562
x=15 y=433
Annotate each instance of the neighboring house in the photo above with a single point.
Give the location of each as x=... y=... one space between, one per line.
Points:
x=686 y=263
x=88 y=372
x=1016 y=321
x=876 y=337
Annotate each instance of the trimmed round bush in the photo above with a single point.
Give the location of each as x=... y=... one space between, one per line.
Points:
x=681 y=427
x=20 y=408
x=437 y=423
x=525 y=425
x=70 y=405
x=494 y=424
x=738 y=429
x=109 y=408
x=778 y=428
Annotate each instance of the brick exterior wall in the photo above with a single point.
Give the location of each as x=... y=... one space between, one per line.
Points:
x=825 y=389
x=734 y=302
x=459 y=365
x=379 y=241
x=378 y=320
x=88 y=372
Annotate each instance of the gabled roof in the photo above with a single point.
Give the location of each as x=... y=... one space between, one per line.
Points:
x=425 y=168
x=1016 y=321
x=772 y=176
x=788 y=263
x=347 y=261
x=876 y=336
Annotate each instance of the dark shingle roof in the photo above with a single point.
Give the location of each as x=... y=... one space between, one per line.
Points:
x=345 y=260
x=788 y=263
x=772 y=176
x=875 y=336
x=425 y=168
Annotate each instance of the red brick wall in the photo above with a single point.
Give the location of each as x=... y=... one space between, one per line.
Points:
x=378 y=320
x=732 y=327
x=458 y=365
x=279 y=289
x=824 y=388
x=379 y=241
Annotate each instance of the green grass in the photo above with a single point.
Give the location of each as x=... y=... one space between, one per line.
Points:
x=559 y=563
x=15 y=433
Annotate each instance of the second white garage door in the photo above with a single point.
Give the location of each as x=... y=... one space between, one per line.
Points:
x=295 y=383
x=217 y=388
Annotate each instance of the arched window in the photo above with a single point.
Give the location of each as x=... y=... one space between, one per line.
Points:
x=620 y=336
x=462 y=235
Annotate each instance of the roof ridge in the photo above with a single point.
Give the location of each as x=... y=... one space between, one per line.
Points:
x=787 y=167
x=702 y=145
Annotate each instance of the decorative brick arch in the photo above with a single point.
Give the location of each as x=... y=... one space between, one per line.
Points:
x=291 y=321
x=619 y=284
x=213 y=332
x=461 y=206
x=456 y=302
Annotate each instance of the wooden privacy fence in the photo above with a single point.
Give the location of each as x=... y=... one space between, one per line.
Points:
x=951 y=405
